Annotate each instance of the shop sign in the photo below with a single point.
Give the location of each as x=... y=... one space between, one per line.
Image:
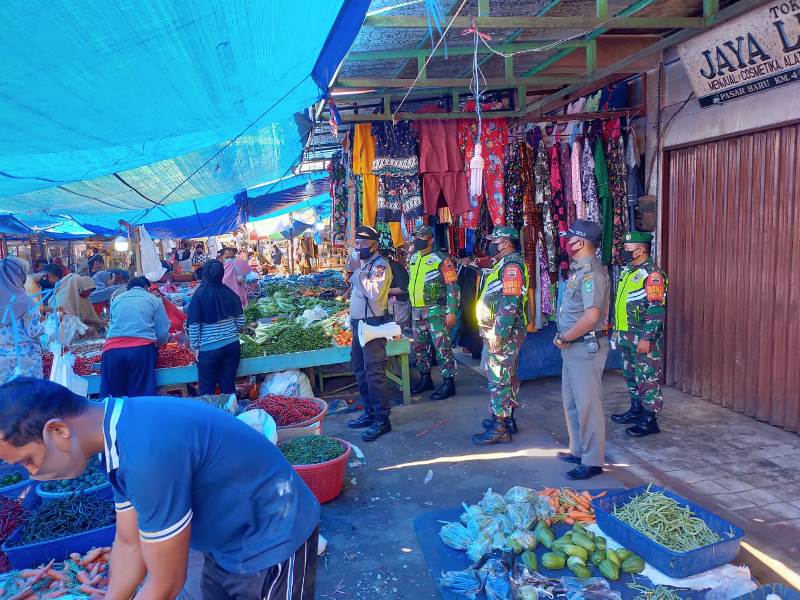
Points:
x=756 y=52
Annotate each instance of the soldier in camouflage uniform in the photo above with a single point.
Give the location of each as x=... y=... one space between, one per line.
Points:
x=502 y=319
x=434 y=295
x=639 y=312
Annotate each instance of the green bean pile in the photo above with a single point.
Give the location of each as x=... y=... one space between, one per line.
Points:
x=289 y=336
x=67 y=516
x=311 y=449
x=663 y=520
x=659 y=592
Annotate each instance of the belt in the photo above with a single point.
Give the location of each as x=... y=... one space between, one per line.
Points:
x=598 y=334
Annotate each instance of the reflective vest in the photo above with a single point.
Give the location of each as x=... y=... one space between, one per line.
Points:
x=425 y=276
x=492 y=290
x=631 y=296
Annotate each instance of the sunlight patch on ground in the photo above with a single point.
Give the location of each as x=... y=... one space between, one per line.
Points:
x=792 y=577
x=527 y=452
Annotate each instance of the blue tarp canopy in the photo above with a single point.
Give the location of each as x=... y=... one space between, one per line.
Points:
x=10 y=226
x=144 y=104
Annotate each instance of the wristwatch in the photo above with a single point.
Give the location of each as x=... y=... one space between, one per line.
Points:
x=562 y=340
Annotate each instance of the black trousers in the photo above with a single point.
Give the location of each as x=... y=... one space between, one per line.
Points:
x=369 y=366
x=293 y=579
x=218 y=367
x=128 y=372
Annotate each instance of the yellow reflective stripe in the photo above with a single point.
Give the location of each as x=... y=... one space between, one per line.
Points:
x=420 y=272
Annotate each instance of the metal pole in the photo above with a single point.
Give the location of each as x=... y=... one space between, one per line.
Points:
x=291 y=243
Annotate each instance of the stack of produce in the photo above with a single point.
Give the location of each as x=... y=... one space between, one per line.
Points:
x=338 y=328
x=83 y=365
x=312 y=449
x=286 y=410
x=173 y=355
x=569 y=506
x=79 y=577
x=93 y=476
x=64 y=517
x=9 y=479
x=12 y=515
x=288 y=336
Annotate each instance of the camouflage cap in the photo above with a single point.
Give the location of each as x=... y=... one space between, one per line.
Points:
x=424 y=231
x=638 y=237
x=504 y=232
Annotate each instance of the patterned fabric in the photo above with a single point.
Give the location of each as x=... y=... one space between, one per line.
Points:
x=560 y=214
x=493 y=139
x=642 y=374
x=575 y=175
x=398 y=197
x=21 y=352
x=514 y=188
x=605 y=200
x=339 y=198
x=588 y=186
x=566 y=181
x=501 y=373
x=544 y=202
x=617 y=176
x=395 y=149
x=431 y=331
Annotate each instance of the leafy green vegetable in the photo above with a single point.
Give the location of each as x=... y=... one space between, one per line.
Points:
x=311 y=449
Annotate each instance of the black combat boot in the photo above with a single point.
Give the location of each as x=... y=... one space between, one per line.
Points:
x=647 y=425
x=424 y=384
x=376 y=430
x=511 y=423
x=447 y=389
x=364 y=420
x=497 y=435
x=632 y=415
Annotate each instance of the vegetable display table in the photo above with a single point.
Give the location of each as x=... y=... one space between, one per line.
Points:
x=281 y=362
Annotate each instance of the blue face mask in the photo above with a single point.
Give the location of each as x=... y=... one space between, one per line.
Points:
x=364 y=253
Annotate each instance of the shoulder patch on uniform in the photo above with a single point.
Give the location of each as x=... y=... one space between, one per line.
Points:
x=654 y=287
x=449 y=271
x=432 y=260
x=379 y=270
x=588 y=285
x=512 y=280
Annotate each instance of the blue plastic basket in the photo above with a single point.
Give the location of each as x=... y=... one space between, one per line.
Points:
x=669 y=562
x=786 y=593
x=24 y=490
x=41 y=553
x=46 y=496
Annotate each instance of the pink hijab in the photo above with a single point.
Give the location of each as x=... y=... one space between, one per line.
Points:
x=235 y=272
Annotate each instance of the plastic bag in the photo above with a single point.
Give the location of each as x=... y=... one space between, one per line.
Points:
x=479 y=548
x=62 y=329
x=464 y=582
x=62 y=372
x=312 y=315
x=731 y=588
x=151 y=263
x=522 y=514
x=497 y=582
x=456 y=536
x=519 y=541
x=470 y=513
x=287 y=383
x=493 y=503
x=262 y=422
x=593 y=588
x=520 y=494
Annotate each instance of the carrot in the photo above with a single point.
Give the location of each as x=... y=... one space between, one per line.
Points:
x=576 y=514
x=582 y=503
x=600 y=495
x=96 y=580
x=95 y=569
x=54 y=594
x=22 y=594
x=88 y=589
x=54 y=574
x=75 y=556
x=91 y=556
x=82 y=577
x=587 y=496
x=569 y=521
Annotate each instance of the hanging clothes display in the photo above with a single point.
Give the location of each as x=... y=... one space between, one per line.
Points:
x=617 y=176
x=575 y=175
x=514 y=186
x=634 y=186
x=588 y=184
x=565 y=159
x=363 y=158
x=337 y=174
x=559 y=206
x=605 y=200
x=441 y=165
x=397 y=166
x=493 y=139
x=544 y=202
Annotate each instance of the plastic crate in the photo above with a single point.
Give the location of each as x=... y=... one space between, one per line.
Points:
x=102 y=489
x=786 y=593
x=24 y=490
x=33 y=555
x=669 y=562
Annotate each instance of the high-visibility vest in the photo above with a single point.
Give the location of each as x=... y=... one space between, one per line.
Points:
x=629 y=289
x=493 y=286
x=423 y=269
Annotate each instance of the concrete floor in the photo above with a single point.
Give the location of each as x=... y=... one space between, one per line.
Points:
x=373 y=551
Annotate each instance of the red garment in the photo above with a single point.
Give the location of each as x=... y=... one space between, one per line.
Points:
x=493 y=138
x=125 y=342
x=451 y=185
x=441 y=164
x=175 y=316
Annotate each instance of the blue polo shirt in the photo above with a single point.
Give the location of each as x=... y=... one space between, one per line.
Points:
x=178 y=462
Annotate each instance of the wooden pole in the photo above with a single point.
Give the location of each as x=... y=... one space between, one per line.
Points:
x=3 y=246
x=137 y=251
x=291 y=243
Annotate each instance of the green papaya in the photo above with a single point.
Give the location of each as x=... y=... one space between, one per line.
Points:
x=546 y=537
x=622 y=553
x=600 y=542
x=609 y=570
x=528 y=559
x=581 y=571
x=583 y=541
x=597 y=557
x=561 y=542
x=553 y=561
x=579 y=528
x=611 y=555
x=575 y=560
x=633 y=564
x=574 y=550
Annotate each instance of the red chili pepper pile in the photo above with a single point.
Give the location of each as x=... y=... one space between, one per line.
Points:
x=12 y=515
x=83 y=365
x=174 y=356
x=286 y=410
x=47 y=363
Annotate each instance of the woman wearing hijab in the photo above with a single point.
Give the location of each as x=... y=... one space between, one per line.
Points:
x=174 y=314
x=20 y=326
x=236 y=270
x=139 y=324
x=72 y=297
x=104 y=280
x=215 y=319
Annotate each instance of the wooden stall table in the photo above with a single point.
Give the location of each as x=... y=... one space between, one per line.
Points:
x=281 y=362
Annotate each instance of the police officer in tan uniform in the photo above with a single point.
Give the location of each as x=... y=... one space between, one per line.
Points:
x=583 y=341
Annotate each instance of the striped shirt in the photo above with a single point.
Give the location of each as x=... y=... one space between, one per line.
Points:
x=210 y=336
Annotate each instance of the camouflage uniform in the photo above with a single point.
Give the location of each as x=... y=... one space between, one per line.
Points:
x=639 y=310
x=502 y=318
x=434 y=293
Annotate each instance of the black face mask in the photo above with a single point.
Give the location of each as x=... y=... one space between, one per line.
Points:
x=494 y=249
x=420 y=244
x=627 y=255
x=364 y=253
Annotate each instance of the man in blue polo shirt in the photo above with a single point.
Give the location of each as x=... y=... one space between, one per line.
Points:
x=184 y=474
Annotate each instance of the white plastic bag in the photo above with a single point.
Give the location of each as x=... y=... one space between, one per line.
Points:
x=262 y=422
x=63 y=373
x=151 y=263
x=287 y=383
x=312 y=315
x=62 y=329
